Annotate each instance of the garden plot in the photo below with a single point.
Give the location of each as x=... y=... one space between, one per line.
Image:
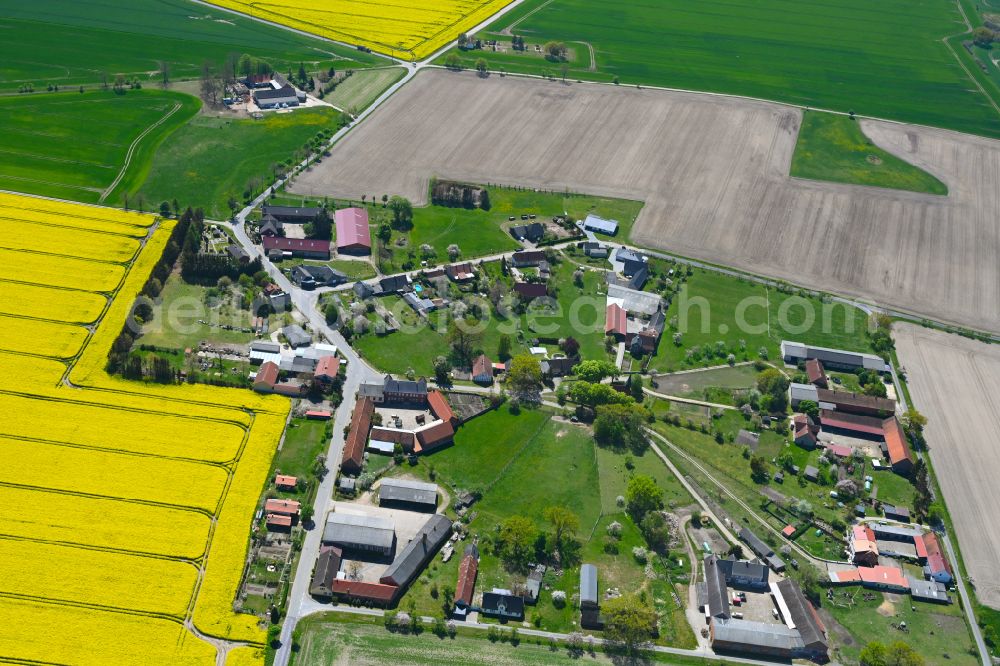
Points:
x=714 y=174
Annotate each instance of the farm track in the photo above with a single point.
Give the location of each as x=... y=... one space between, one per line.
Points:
x=131 y=151
x=713 y=171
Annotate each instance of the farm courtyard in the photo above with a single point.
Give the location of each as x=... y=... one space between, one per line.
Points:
x=713 y=172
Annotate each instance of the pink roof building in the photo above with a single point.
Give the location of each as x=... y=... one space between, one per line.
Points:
x=353 y=235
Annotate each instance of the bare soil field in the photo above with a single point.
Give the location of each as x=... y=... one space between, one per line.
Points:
x=713 y=172
x=955 y=382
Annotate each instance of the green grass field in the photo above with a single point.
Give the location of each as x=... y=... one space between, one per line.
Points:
x=937 y=633
x=66 y=43
x=181 y=309
x=74 y=146
x=527 y=462
x=833 y=147
x=357 y=93
x=577 y=312
x=479 y=232
x=341 y=638
x=714 y=307
x=885 y=60
x=211 y=159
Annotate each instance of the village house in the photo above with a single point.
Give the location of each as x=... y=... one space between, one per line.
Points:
x=290 y=214
x=482 y=370
x=527 y=258
x=462 y=272
x=533 y=232
x=309 y=276
x=599 y=225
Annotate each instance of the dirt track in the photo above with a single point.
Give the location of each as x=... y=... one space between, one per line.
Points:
x=713 y=171
x=955 y=382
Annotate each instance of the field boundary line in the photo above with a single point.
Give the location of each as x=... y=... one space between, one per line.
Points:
x=509 y=30
x=762 y=100
x=132 y=148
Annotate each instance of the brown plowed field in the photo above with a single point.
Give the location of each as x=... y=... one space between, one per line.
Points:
x=713 y=172
x=955 y=382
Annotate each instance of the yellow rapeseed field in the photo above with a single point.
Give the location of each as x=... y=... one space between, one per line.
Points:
x=62 y=212
x=244 y=656
x=108 y=427
x=48 y=633
x=112 y=474
x=66 y=272
x=101 y=578
x=34 y=374
x=225 y=559
x=73 y=242
x=27 y=300
x=43 y=338
x=120 y=491
x=407 y=29
x=102 y=523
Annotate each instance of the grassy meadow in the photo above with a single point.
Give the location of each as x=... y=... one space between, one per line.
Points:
x=885 y=59
x=337 y=638
x=72 y=145
x=527 y=462
x=745 y=317
x=833 y=147
x=211 y=159
x=67 y=43
x=356 y=93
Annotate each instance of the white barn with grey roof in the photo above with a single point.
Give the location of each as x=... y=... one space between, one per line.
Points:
x=588 y=586
x=404 y=491
x=794 y=352
x=600 y=225
x=368 y=533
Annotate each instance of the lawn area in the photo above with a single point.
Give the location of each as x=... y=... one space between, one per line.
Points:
x=727 y=463
x=73 y=146
x=525 y=463
x=576 y=312
x=341 y=638
x=937 y=633
x=485 y=446
x=211 y=159
x=884 y=60
x=479 y=232
x=67 y=43
x=187 y=315
x=718 y=385
x=357 y=92
x=304 y=440
x=893 y=488
x=833 y=147
x=713 y=308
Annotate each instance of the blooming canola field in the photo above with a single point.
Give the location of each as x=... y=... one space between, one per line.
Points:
x=407 y=29
x=130 y=504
